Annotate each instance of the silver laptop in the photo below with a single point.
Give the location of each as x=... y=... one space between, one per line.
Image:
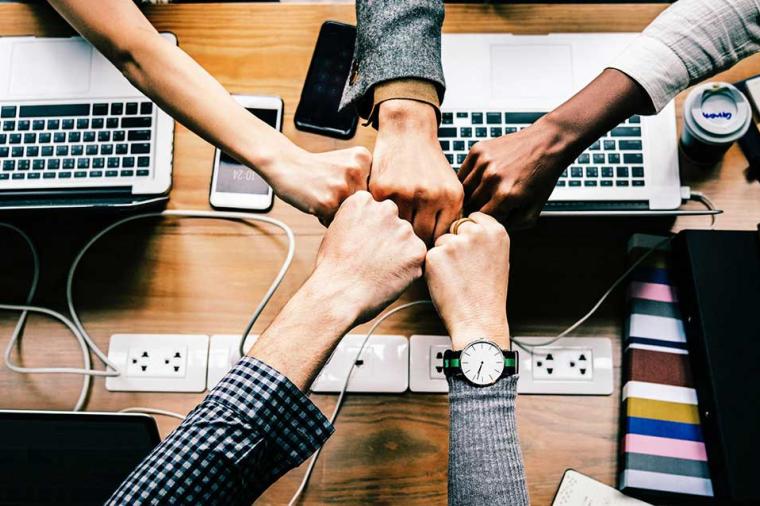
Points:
x=499 y=84
x=74 y=132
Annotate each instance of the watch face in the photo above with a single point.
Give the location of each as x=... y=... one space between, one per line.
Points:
x=482 y=362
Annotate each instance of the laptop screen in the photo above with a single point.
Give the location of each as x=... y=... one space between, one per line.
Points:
x=69 y=458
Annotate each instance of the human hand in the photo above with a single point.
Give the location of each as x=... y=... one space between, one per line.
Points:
x=317 y=183
x=467 y=274
x=368 y=256
x=512 y=176
x=410 y=168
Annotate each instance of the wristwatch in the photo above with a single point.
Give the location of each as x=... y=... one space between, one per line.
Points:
x=481 y=363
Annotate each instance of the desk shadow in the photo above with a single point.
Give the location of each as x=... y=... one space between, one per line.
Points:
x=561 y=267
x=111 y=267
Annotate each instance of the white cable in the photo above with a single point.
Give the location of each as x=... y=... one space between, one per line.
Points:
x=229 y=215
x=574 y=326
x=152 y=411
x=75 y=325
x=705 y=200
x=18 y=331
x=694 y=195
x=339 y=402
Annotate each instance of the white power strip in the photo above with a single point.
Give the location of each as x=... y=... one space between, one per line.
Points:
x=383 y=366
x=569 y=366
x=388 y=364
x=223 y=354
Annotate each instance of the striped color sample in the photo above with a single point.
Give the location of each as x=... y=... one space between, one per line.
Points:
x=662 y=446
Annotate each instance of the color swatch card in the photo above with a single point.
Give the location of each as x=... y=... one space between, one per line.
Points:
x=663 y=451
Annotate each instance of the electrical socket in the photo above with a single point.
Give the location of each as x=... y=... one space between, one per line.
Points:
x=158 y=362
x=566 y=364
x=223 y=354
x=571 y=365
x=426 y=363
x=565 y=358
x=436 y=361
x=383 y=366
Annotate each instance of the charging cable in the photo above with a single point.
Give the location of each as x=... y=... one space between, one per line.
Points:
x=152 y=411
x=74 y=323
x=341 y=396
x=519 y=342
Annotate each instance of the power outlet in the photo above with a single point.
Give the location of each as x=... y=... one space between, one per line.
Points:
x=570 y=366
x=223 y=354
x=158 y=363
x=382 y=367
x=566 y=364
x=426 y=363
x=436 y=361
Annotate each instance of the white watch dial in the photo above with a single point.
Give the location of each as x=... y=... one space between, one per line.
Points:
x=482 y=362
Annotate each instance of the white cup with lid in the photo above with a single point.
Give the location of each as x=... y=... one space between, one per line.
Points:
x=715 y=115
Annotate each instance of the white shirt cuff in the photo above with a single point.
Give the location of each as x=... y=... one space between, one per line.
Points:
x=656 y=67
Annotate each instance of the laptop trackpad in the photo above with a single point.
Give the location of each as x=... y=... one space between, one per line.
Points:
x=531 y=71
x=53 y=68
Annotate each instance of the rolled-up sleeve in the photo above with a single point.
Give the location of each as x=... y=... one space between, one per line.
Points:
x=688 y=42
x=253 y=427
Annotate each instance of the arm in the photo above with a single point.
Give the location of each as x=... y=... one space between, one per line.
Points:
x=313 y=183
x=467 y=275
x=398 y=83
x=512 y=177
x=256 y=424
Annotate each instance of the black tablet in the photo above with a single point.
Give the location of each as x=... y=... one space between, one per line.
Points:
x=54 y=457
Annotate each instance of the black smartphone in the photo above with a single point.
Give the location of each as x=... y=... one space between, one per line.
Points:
x=317 y=110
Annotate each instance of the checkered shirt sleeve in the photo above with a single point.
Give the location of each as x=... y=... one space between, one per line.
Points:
x=252 y=428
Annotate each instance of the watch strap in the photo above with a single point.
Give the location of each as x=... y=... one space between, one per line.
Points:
x=452 y=366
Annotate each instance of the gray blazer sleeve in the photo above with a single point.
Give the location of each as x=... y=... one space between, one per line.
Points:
x=485 y=460
x=395 y=39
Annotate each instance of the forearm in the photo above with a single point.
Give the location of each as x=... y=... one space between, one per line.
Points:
x=191 y=95
x=485 y=459
x=691 y=40
x=172 y=79
x=252 y=428
x=599 y=107
x=311 y=324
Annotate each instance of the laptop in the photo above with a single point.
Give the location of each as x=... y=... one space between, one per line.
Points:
x=59 y=457
x=501 y=83
x=74 y=132
x=717 y=273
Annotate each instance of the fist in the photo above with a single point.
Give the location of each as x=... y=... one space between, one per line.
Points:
x=511 y=177
x=467 y=275
x=370 y=254
x=317 y=183
x=409 y=168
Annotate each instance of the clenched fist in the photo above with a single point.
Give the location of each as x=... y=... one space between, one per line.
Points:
x=369 y=255
x=409 y=168
x=467 y=274
x=317 y=183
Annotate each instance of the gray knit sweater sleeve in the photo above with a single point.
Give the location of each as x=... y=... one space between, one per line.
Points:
x=395 y=40
x=485 y=460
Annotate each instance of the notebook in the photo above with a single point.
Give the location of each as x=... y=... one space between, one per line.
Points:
x=662 y=450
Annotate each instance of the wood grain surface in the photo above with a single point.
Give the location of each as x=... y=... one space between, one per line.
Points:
x=203 y=276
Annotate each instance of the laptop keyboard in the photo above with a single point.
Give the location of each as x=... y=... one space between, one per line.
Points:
x=615 y=160
x=109 y=142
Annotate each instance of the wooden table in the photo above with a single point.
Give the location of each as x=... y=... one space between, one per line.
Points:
x=199 y=276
